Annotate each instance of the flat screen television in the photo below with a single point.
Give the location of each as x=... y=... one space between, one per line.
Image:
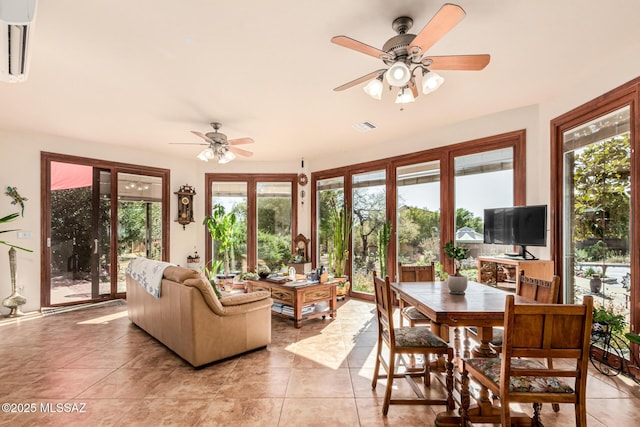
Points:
x=518 y=226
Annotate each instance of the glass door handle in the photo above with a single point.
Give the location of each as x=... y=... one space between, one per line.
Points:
x=95 y=246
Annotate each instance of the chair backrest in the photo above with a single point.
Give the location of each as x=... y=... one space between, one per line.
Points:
x=384 y=307
x=540 y=290
x=415 y=273
x=547 y=331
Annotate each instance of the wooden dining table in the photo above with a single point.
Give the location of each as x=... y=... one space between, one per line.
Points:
x=481 y=306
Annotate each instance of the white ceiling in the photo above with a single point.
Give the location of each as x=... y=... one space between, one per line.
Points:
x=144 y=73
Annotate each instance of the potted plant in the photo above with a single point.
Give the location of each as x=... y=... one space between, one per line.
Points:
x=457 y=283
x=384 y=237
x=595 y=282
x=605 y=321
x=341 y=222
x=221 y=228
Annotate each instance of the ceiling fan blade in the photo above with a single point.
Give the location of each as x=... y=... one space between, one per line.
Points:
x=241 y=151
x=359 y=80
x=241 y=141
x=203 y=136
x=442 y=22
x=457 y=62
x=188 y=143
x=350 y=43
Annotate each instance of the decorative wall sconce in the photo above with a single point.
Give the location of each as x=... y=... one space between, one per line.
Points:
x=185 y=205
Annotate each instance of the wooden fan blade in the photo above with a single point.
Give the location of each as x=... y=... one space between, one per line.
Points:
x=203 y=136
x=442 y=22
x=359 y=80
x=241 y=141
x=350 y=43
x=457 y=62
x=241 y=151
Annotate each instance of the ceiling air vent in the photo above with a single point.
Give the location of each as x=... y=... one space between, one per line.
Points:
x=364 y=126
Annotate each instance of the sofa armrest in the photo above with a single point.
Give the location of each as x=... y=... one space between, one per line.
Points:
x=240 y=299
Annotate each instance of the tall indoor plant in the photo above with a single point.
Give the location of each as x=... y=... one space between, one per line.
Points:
x=384 y=237
x=457 y=283
x=221 y=226
x=341 y=221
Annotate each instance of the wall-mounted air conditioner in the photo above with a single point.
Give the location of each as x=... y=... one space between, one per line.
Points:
x=16 y=26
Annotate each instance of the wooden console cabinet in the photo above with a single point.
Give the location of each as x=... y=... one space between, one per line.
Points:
x=505 y=272
x=298 y=297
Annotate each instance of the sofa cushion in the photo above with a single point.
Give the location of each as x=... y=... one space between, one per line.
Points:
x=239 y=299
x=180 y=274
x=207 y=293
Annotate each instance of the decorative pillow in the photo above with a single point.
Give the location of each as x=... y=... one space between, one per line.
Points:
x=239 y=299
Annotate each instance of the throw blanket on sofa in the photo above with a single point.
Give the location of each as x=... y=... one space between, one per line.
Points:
x=148 y=273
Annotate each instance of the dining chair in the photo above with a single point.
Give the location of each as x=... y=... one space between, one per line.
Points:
x=539 y=290
x=533 y=332
x=414 y=273
x=407 y=341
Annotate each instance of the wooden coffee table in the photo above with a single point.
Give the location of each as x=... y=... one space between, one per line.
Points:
x=298 y=296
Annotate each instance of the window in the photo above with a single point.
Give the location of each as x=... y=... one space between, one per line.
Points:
x=594 y=150
x=482 y=180
x=369 y=216
x=418 y=213
x=420 y=193
x=328 y=191
x=265 y=206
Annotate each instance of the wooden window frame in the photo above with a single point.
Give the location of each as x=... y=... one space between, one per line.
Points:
x=252 y=181
x=516 y=140
x=627 y=94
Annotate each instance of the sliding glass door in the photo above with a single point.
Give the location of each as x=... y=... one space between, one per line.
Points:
x=597 y=211
x=98 y=216
x=80 y=211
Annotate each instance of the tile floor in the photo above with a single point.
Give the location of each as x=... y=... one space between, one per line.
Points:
x=109 y=372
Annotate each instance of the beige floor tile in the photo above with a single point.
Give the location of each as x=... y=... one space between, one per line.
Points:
x=319 y=382
x=319 y=412
x=243 y=412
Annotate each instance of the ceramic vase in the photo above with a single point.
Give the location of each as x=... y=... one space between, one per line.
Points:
x=457 y=284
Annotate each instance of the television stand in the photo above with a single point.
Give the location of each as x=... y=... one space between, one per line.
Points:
x=525 y=254
x=504 y=272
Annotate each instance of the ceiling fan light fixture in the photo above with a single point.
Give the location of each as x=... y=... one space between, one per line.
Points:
x=398 y=74
x=405 y=96
x=374 y=88
x=431 y=81
x=226 y=157
x=206 y=154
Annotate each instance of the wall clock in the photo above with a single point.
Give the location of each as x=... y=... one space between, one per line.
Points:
x=185 y=205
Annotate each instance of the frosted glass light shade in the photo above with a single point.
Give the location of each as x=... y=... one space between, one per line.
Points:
x=374 y=88
x=431 y=81
x=398 y=74
x=405 y=96
x=206 y=154
x=226 y=157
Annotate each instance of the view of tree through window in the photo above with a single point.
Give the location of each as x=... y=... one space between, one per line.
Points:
x=598 y=210
x=369 y=216
x=232 y=196
x=274 y=223
x=418 y=213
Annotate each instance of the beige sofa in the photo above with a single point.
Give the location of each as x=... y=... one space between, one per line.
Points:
x=190 y=320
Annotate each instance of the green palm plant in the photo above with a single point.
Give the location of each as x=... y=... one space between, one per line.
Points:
x=221 y=228
x=9 y=218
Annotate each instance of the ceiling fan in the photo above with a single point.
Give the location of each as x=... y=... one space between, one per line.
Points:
x=219 y=146
x=404 y=54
